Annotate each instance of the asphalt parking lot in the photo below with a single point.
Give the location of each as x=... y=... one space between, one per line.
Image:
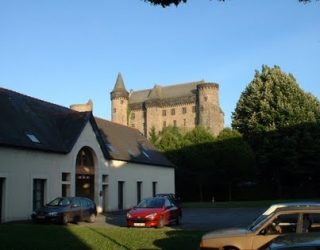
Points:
x=197 y=218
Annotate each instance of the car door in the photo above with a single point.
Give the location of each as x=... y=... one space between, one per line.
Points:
x=172 y=210
x=75 y=212
x=278 y=225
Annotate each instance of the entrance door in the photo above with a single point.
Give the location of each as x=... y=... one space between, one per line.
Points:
x=85 y=186
x=1 y=196
x=105 y=198
x=120 y=195
x=85 y=173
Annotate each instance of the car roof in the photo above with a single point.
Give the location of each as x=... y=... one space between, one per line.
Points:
x=291 y=205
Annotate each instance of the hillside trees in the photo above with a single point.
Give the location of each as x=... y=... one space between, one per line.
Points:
x=206 y=165
x=281 y=122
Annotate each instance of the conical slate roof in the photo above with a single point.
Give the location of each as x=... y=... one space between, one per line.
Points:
x=119 y=89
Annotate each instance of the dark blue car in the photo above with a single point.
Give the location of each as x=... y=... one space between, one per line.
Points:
x=66 y=209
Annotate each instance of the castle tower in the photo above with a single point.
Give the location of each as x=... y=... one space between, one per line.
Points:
x=210 y=114
x=119 y=102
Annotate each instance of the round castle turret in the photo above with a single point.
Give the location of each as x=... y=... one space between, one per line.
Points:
x=119 y=102
x=210 y=114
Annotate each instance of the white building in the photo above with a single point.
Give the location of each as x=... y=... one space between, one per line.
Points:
x=48 y=150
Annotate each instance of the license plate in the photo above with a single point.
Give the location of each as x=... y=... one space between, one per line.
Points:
x=139 y=224
x=40 y=217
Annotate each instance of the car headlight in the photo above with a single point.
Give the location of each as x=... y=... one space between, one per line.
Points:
x=129 y=215
x=53 y=214
x=151 y=216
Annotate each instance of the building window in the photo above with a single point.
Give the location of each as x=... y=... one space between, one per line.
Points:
x=193 y=109
x=121 y=101
x=173 y=111
x=114 y=110
x=184 y=110
x=139 y=191
x=133 y=115
x=164 y=124
x=154 y=188
x=174 y=123
x=38 y=193
x=164 y=112
x=206 y=98
x=66 y=184
x=105 y=179
x=184 y=122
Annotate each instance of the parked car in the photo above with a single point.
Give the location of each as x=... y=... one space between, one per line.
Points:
x=66 y=209
x=291 y=218
x=295 y=242
x=173 y=197
x=154 y=212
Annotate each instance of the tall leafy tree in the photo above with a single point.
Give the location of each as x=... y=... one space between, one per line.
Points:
x=273 y=100
x=270 y=114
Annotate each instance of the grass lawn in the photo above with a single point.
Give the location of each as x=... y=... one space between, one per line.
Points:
x=30 y=236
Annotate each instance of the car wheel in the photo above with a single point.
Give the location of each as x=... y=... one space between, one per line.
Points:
x=161 y=222
x=65 y=219
x=92 y=218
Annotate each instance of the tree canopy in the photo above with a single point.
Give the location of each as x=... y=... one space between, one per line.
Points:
x=273 y=100
x=282 y=124
x=165 y=3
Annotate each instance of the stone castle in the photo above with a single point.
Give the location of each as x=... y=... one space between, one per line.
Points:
x=184 y=105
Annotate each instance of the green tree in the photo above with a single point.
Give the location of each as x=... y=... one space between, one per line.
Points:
x=270 y=114
x=170 y=138
x=198 y=135
x=235 y=159
x=153 y=137
x=271 y=101
x=165 y=3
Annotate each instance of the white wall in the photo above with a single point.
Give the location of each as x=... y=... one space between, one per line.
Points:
x=130 y=174
x=20 y=166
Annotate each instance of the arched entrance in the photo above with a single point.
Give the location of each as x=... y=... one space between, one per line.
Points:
x=85 y=171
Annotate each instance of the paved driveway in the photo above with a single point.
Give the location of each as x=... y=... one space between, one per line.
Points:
x=197 y=218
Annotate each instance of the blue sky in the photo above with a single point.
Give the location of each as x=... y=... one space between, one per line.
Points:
x=70 y=51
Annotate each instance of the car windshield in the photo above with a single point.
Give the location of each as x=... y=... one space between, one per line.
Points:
x=259 y=221
x=151 y=203
x=59 y=202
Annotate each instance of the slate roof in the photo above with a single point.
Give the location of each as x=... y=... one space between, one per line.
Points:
x=119 y=89
x=36 y=124
x=128 y=144
x=27 y=122
x=165 y=92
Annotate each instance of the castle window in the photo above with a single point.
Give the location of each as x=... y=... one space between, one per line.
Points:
x=164 y=112
x=184 y=110
x=114 y=110
x=175 y=123
x=121 y=101
x=164 y=124
x=206 y=98
x=133 y=116
x=173 y=111
x=193 y=109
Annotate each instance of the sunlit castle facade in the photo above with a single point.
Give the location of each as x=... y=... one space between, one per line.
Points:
x=184 y=105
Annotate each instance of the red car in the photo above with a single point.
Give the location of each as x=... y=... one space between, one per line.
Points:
x=154 y=212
